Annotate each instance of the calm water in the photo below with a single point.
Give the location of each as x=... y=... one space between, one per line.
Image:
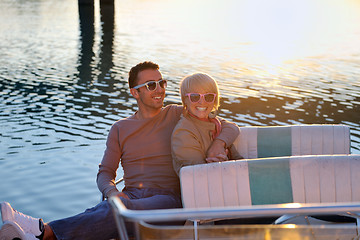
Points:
x=64 y=78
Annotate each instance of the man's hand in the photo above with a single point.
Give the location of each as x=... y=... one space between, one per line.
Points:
x=113 y=192
x=119 y=194
x=216 y=152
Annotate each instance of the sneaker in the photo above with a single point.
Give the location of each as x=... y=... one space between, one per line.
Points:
x=11 y=230
x=29 y=236
x=29 y=224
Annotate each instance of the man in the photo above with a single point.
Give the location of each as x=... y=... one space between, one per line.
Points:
x=142 y=142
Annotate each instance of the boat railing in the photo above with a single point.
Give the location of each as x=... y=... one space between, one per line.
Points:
x=123 y=214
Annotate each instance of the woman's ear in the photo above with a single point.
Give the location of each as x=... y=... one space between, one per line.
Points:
x=134 y=93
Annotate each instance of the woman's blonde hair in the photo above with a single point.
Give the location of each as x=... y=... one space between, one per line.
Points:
x=197 y=81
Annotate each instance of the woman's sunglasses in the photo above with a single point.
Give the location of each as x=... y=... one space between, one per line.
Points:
x=195 y=97
x=152 y=85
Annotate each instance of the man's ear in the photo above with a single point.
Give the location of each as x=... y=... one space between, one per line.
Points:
x=134 y=93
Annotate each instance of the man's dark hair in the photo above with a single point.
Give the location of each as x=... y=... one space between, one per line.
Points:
x=134 y=71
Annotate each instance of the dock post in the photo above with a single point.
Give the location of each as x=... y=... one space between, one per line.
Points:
x=107 y=2
x=86 y=2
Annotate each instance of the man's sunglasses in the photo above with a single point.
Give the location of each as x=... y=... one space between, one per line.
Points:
x=195 y=97
x=152 y=85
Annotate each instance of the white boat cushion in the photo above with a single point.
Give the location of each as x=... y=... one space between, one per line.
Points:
x=277 y=141
x=302 y=179
x=325 y=179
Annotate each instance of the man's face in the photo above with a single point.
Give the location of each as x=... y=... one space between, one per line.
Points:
x=150 y=99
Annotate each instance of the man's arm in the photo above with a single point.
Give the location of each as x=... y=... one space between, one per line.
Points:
x=106 y=181
x=109 y=165
x=217 y=150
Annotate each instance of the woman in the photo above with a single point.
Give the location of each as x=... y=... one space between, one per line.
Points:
x=199 y=126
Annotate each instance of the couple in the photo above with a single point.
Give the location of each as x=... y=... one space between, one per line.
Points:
x=153 y=144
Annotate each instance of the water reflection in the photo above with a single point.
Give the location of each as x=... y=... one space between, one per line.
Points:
x=87 y=34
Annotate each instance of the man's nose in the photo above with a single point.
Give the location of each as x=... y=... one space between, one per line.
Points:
x=159 y=88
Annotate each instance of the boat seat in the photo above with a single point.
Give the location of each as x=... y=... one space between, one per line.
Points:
x=292 y=140
x=294 y=179
x=308 y=185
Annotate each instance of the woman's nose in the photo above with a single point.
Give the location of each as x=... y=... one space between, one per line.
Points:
x=202 y=100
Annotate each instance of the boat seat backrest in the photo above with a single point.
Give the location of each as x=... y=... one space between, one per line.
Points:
x=300 y=179
x=277 y=141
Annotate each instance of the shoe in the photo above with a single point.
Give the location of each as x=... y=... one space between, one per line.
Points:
x=28 y=224
x=29 y=236
x=11 y=230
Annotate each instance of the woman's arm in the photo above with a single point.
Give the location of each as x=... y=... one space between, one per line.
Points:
x=186 y=149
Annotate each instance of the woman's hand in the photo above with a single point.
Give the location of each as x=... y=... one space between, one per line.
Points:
x=216 y=152
x=218 y=158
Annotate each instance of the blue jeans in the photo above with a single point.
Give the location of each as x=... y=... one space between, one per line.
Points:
x=99 y=222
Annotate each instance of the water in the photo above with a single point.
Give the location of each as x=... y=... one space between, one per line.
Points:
x=63 y=82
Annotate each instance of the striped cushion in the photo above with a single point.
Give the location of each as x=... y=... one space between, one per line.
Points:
x=303 y=179
x=260 y=142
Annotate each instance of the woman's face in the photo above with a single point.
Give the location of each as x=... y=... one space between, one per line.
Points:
x=202 y=105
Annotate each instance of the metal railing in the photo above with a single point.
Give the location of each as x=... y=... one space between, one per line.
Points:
x=163 y=215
